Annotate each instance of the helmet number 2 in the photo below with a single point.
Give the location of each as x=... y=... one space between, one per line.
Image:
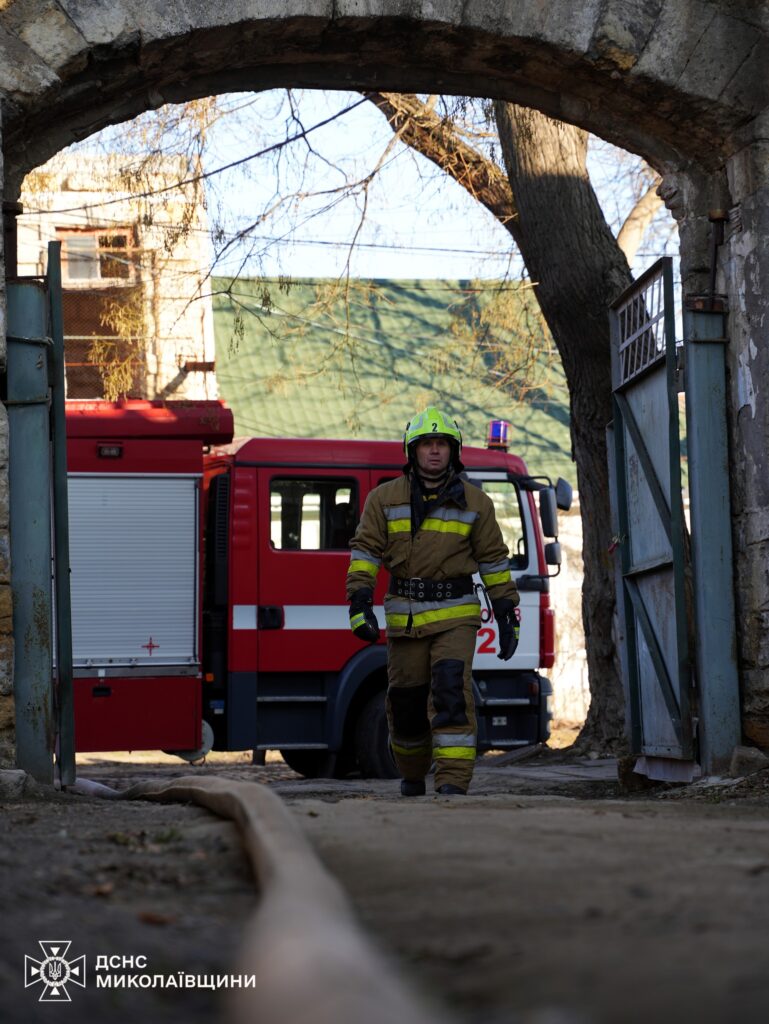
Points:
x=435 y=427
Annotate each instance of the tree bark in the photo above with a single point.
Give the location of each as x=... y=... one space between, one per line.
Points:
x=548 y=205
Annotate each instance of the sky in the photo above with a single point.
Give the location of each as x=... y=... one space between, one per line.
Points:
x=310 y=215
x=417 y=223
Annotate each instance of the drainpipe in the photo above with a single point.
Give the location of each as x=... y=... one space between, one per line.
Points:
x=65 y=713
x=30 y=525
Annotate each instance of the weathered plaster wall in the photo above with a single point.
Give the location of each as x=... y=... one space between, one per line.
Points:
x=7 y=730
x=745 y=278
x=683 y=82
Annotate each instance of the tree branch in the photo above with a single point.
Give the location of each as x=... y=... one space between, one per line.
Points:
x=638 y=220
x=418 y=126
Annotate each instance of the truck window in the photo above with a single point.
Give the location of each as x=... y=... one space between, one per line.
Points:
x=313 y=514
x=508 y=510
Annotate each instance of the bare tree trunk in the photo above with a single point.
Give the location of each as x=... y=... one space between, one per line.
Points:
x=577 y=268
x=548 y=205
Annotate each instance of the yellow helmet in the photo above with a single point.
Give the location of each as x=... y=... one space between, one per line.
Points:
x=433 y=422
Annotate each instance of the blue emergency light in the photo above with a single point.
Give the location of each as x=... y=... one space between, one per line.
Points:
x=498 y=435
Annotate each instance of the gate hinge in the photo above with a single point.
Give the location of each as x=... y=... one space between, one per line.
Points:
x=680 y=368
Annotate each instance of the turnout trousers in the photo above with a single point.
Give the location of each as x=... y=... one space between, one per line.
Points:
x=430 y=705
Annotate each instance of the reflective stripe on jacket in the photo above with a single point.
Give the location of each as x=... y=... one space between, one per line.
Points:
x=459 y=536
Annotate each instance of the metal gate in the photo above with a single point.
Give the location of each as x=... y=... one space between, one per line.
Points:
x=650 y=521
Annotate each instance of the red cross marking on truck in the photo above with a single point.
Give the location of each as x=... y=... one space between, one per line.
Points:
x=151 y=646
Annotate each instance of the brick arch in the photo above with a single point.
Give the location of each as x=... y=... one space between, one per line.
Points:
x=638 y=74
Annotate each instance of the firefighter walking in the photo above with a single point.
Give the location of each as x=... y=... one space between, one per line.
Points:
x=431 y=529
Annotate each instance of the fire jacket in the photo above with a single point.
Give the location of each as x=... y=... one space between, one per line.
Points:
x=458 y=536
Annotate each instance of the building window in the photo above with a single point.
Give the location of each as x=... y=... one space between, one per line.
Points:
x=313 y=515
x=95 y=351
x=92 y=258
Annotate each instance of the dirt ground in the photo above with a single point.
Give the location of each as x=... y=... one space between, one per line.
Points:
x=546 y=896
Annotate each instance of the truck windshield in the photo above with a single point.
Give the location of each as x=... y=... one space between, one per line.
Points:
x=508 y=510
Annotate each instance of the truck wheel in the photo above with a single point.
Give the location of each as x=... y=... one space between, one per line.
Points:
x=372 y=741
x=313 y=764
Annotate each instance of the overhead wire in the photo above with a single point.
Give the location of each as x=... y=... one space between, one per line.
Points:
x=209 y=174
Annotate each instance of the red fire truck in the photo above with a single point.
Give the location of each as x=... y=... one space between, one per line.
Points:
x=208 y=590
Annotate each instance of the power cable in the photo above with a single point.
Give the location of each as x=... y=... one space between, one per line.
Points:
x=209 y=174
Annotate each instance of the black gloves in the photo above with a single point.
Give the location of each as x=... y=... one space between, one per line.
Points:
x=363 y=622
x=507 y=624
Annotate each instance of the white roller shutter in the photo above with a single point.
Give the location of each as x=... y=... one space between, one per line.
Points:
x=133 y=556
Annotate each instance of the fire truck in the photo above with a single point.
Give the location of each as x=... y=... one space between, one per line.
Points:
x=207 y=579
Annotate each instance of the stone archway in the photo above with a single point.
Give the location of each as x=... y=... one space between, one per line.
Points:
x=681 y=82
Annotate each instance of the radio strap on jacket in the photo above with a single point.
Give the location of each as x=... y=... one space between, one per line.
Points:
x=486 y=613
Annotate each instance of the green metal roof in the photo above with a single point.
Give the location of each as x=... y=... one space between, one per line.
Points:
x=361 y=365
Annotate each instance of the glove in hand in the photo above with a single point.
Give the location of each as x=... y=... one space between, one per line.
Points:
x=363 y=622
x=508 y=626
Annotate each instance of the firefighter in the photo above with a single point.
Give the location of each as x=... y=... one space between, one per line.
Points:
x=431 y=529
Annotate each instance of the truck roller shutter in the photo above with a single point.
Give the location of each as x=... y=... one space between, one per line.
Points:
x=133 y=554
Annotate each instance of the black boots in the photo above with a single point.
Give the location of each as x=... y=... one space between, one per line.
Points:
x=418 y=789
x=412 y=788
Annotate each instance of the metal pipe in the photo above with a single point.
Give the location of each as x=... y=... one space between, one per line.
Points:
x=30 y=525
x=65 y=759
x=717 y=218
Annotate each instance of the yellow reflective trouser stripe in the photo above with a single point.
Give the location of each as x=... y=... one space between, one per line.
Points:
x=461 y=611
x=447 y=526
x=496 y=577
x=457 y=753
x=358 y=565
x=398 y=525
x=424 y=748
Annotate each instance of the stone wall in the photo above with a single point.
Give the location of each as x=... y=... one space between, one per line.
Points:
x=7 y=730
x=744 y=278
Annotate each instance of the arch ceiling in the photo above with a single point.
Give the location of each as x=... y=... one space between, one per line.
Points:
x=674 y=80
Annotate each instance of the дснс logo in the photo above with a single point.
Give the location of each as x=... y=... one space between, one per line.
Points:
x=55 y=972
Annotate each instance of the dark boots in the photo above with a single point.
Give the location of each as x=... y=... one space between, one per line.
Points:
x=412 y=788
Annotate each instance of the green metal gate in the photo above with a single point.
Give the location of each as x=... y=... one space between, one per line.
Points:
x=650 y=521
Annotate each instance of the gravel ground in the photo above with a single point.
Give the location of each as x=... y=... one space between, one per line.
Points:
x=546 y=896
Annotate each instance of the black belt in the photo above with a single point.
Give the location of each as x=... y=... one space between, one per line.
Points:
x=418 y=589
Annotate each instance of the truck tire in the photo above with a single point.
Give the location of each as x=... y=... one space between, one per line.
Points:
x=312 y=764
x=207 y=743
x=372 y=741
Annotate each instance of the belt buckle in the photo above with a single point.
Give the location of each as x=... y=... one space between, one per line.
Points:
x=416 y=582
